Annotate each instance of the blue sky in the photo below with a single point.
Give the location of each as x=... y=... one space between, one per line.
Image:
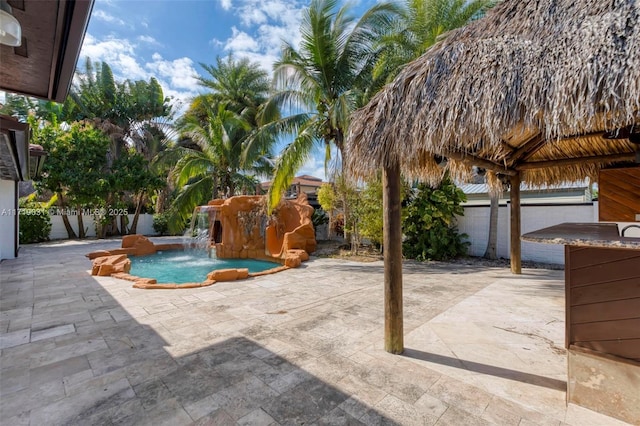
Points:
x=168 y=39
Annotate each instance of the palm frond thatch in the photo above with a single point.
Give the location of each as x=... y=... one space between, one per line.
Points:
x=533 y=81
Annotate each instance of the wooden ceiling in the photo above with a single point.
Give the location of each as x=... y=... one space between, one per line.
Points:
x=52 y=35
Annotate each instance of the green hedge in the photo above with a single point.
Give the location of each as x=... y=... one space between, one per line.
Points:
x=35 y=224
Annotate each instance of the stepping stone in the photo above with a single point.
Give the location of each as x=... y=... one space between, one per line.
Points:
x=15 y=338
x=48 y=333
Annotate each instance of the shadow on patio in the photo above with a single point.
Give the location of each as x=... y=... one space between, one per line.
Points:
x=302 y=346
x=72 y=355
x=505 y=373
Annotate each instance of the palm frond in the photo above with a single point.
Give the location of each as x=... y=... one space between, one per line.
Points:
x=195 y=165
x=292 y=157
x=190 y=196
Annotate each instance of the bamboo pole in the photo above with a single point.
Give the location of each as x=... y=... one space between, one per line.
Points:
x=516 y=253
x=392 y=240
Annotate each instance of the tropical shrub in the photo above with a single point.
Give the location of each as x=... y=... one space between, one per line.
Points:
x=161 y=223
x=367 y=212
x=429 y=228
x=319 y=218
x=34 y=223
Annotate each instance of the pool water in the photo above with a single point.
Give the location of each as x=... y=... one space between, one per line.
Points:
x=181 y=267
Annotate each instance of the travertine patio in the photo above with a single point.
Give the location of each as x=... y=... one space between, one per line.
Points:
x=300 y=347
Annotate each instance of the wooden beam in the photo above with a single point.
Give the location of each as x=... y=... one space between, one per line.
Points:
x=527 y=149
x=481 y=162
x=516 y=252
x=392 y=240
x=627 y=156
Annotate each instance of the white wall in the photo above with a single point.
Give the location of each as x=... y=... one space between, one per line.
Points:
x=475 y=223
x=58 y=231
x=7 y=219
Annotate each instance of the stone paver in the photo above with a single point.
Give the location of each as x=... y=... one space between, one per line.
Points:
x=300 y=347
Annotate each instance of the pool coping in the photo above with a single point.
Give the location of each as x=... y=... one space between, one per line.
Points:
x=116 y=263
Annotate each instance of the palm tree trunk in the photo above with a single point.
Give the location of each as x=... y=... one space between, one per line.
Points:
x=214 y=193
x=124 y=219
x=65 y=219
x=161 y=199
x=81 y=232
x=134 y=225
x=490 y=252
x=232 y=189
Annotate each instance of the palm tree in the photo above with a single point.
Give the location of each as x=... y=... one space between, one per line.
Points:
x=423 y=23
x=122 y=110
x=117 y=108
x=321 y=83
x=152 y=139
x=213 y=155
x=215 y=162
x=243 y=85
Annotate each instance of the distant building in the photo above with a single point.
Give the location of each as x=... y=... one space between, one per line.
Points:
x=301 y=184
x=572 y=193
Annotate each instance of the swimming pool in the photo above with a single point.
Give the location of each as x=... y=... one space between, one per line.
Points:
x=188 y=266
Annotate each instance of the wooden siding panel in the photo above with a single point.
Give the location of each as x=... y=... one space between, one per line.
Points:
x=629 y=349
x=607 y=292
x=603 y=300
x=587 y=257
x=619 y=194
x=607 y=330
x=606 y=311
x=616 y=270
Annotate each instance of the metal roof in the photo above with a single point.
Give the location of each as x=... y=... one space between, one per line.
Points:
x=482 y=188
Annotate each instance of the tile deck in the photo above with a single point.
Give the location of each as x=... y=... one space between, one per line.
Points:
x=303 y=346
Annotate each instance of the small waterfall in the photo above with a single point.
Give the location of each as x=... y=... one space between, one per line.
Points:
x=198 y=236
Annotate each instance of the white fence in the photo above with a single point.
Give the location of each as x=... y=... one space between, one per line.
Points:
x=475 y=223
x=59 y=232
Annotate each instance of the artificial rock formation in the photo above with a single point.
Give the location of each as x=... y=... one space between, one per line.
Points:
x=111 y=264
x=240 y=229
x=135 y=245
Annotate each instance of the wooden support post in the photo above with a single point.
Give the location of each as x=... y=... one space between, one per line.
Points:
x=516 y=252
x=392 y=240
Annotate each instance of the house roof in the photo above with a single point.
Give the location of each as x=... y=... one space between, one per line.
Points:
x=302 y=180
x=14 y=149
x=43 y=67
x=52 y=34
x=547 y=89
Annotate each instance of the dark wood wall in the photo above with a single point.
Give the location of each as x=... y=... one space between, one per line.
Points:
x=603 y=300
x=619 y=194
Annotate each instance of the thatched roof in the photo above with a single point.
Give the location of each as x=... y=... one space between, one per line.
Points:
x=533 y=81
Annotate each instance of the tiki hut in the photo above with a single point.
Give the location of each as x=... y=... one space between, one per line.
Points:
x=539 y=91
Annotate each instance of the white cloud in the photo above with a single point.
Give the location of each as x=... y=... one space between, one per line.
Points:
x=177 y=76
x=180 y=73
x=252 y=16
x=266 y=24
x=226 y=4
x=314 y=167
x=106 y=50
x=216 y=43
x=106 y=17
x=149 y=40
x=118 y=53
x=241 y=41
x=130 y=68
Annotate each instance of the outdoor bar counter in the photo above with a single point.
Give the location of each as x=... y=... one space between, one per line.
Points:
x=602 y=285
